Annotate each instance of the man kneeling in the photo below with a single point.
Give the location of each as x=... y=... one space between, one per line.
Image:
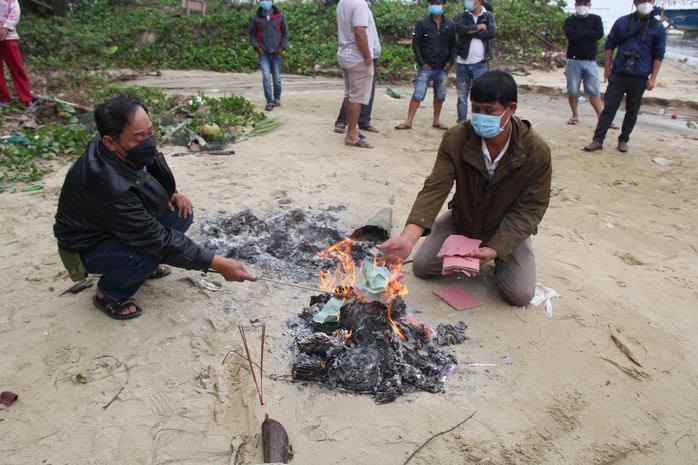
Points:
x=120 y=215
x=502 y=170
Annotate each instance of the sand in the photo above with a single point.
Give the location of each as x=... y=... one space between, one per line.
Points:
x=618 y=244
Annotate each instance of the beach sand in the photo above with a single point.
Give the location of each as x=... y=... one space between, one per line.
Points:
x=618 y=244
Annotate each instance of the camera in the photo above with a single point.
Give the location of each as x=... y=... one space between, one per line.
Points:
x=630 y=58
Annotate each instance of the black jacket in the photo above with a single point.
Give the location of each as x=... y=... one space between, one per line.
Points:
x=434 y=45
x=465 y=22
x=583 y=35
x=102 y=197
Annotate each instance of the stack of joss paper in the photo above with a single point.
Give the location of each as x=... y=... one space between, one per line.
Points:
x=454 y=251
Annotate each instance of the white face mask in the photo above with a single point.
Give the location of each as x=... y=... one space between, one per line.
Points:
x=645 y=8
x=582 y=10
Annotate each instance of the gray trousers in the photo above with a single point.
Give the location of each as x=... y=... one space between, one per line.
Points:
x=516 y=276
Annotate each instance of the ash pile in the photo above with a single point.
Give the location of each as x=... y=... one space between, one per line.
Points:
x=283 y=243
x=373 y=348
x=359 y=337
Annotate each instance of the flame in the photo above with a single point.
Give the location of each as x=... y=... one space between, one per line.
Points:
x=344 y=274
x=343 y=278
x=396 y=330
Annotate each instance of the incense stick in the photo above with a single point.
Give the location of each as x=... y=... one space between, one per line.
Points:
x=261 y=362
x=307 y=288
x=249 y=359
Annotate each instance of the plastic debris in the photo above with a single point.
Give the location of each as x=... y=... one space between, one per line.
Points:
x=544 y=294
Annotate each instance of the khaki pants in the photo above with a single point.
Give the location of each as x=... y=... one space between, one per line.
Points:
x=516 y=276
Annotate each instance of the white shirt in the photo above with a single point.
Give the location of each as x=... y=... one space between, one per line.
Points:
x=477 y=48
x=351 y=14
x=489 y=164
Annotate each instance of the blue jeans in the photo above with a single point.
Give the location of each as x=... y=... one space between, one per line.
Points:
x=124 y=270
x=465 y=75
x=270 y=64
x=421 y=85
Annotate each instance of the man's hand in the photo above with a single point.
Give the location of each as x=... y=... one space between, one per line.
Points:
x=650 y=83
x=368 y=62
x=447 y=67
x=3 y=32
x=231 y=270
x=182 y=203
x=260 y=50
x=484 y=254
x=426 y=66
x=606 y=73
x=280 y=51
x=396 y=250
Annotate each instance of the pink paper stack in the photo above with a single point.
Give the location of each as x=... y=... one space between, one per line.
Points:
x=454 y=251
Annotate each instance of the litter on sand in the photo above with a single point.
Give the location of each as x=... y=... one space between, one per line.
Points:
x=544 y=294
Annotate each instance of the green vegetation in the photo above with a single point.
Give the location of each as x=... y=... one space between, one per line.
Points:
x=67 y=55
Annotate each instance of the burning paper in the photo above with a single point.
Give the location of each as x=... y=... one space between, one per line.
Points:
x=368 y=344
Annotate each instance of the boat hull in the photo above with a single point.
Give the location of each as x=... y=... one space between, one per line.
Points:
x=685 y=19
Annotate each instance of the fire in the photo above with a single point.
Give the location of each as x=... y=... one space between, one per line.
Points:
x=343 y=277
x=344 y=274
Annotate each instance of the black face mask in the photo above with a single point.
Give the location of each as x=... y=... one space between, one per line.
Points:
x=144 y=153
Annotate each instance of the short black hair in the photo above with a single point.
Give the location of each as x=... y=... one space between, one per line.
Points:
x=112 y=115
x=494 y=86
x=440 y=2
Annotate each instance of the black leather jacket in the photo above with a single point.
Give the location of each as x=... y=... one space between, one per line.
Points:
x=434 y=45
x=465 y=22
x=102 y=197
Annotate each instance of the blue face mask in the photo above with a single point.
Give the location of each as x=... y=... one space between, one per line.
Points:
x=436 y=9
x=266 y=5
x=469 y=5
x=487 y=126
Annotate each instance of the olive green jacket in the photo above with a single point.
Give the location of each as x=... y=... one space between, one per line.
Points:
x=502 y=211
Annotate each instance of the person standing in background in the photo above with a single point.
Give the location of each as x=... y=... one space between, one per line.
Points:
x=434 y=47
x=641 y=42
x=269 y=37
x=9 y=50
x=583 y=31
x=355 y=42
x=476 y=27
x=365 y=115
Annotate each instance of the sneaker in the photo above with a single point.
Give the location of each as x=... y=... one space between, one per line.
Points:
x=30 y=106
x=593 y=146
x=622 y=146
x=4 y=104
x=277 y=103
x=269 y=108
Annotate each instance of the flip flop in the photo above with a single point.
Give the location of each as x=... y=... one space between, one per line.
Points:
x=338 y=128
x=369 y=128
x=361 y=143
x=572 y=121
x=114 y=308
x=441 y=126
x=402 y=126
x=613 y=126
x=162 y=270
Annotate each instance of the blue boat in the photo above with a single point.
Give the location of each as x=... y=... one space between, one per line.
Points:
x=681 y=15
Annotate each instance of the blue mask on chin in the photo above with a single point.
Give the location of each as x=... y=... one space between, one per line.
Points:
x=487 y=126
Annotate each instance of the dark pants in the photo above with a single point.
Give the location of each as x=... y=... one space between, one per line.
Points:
x=124 y=270
x=365 y=115
x=633 y=88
